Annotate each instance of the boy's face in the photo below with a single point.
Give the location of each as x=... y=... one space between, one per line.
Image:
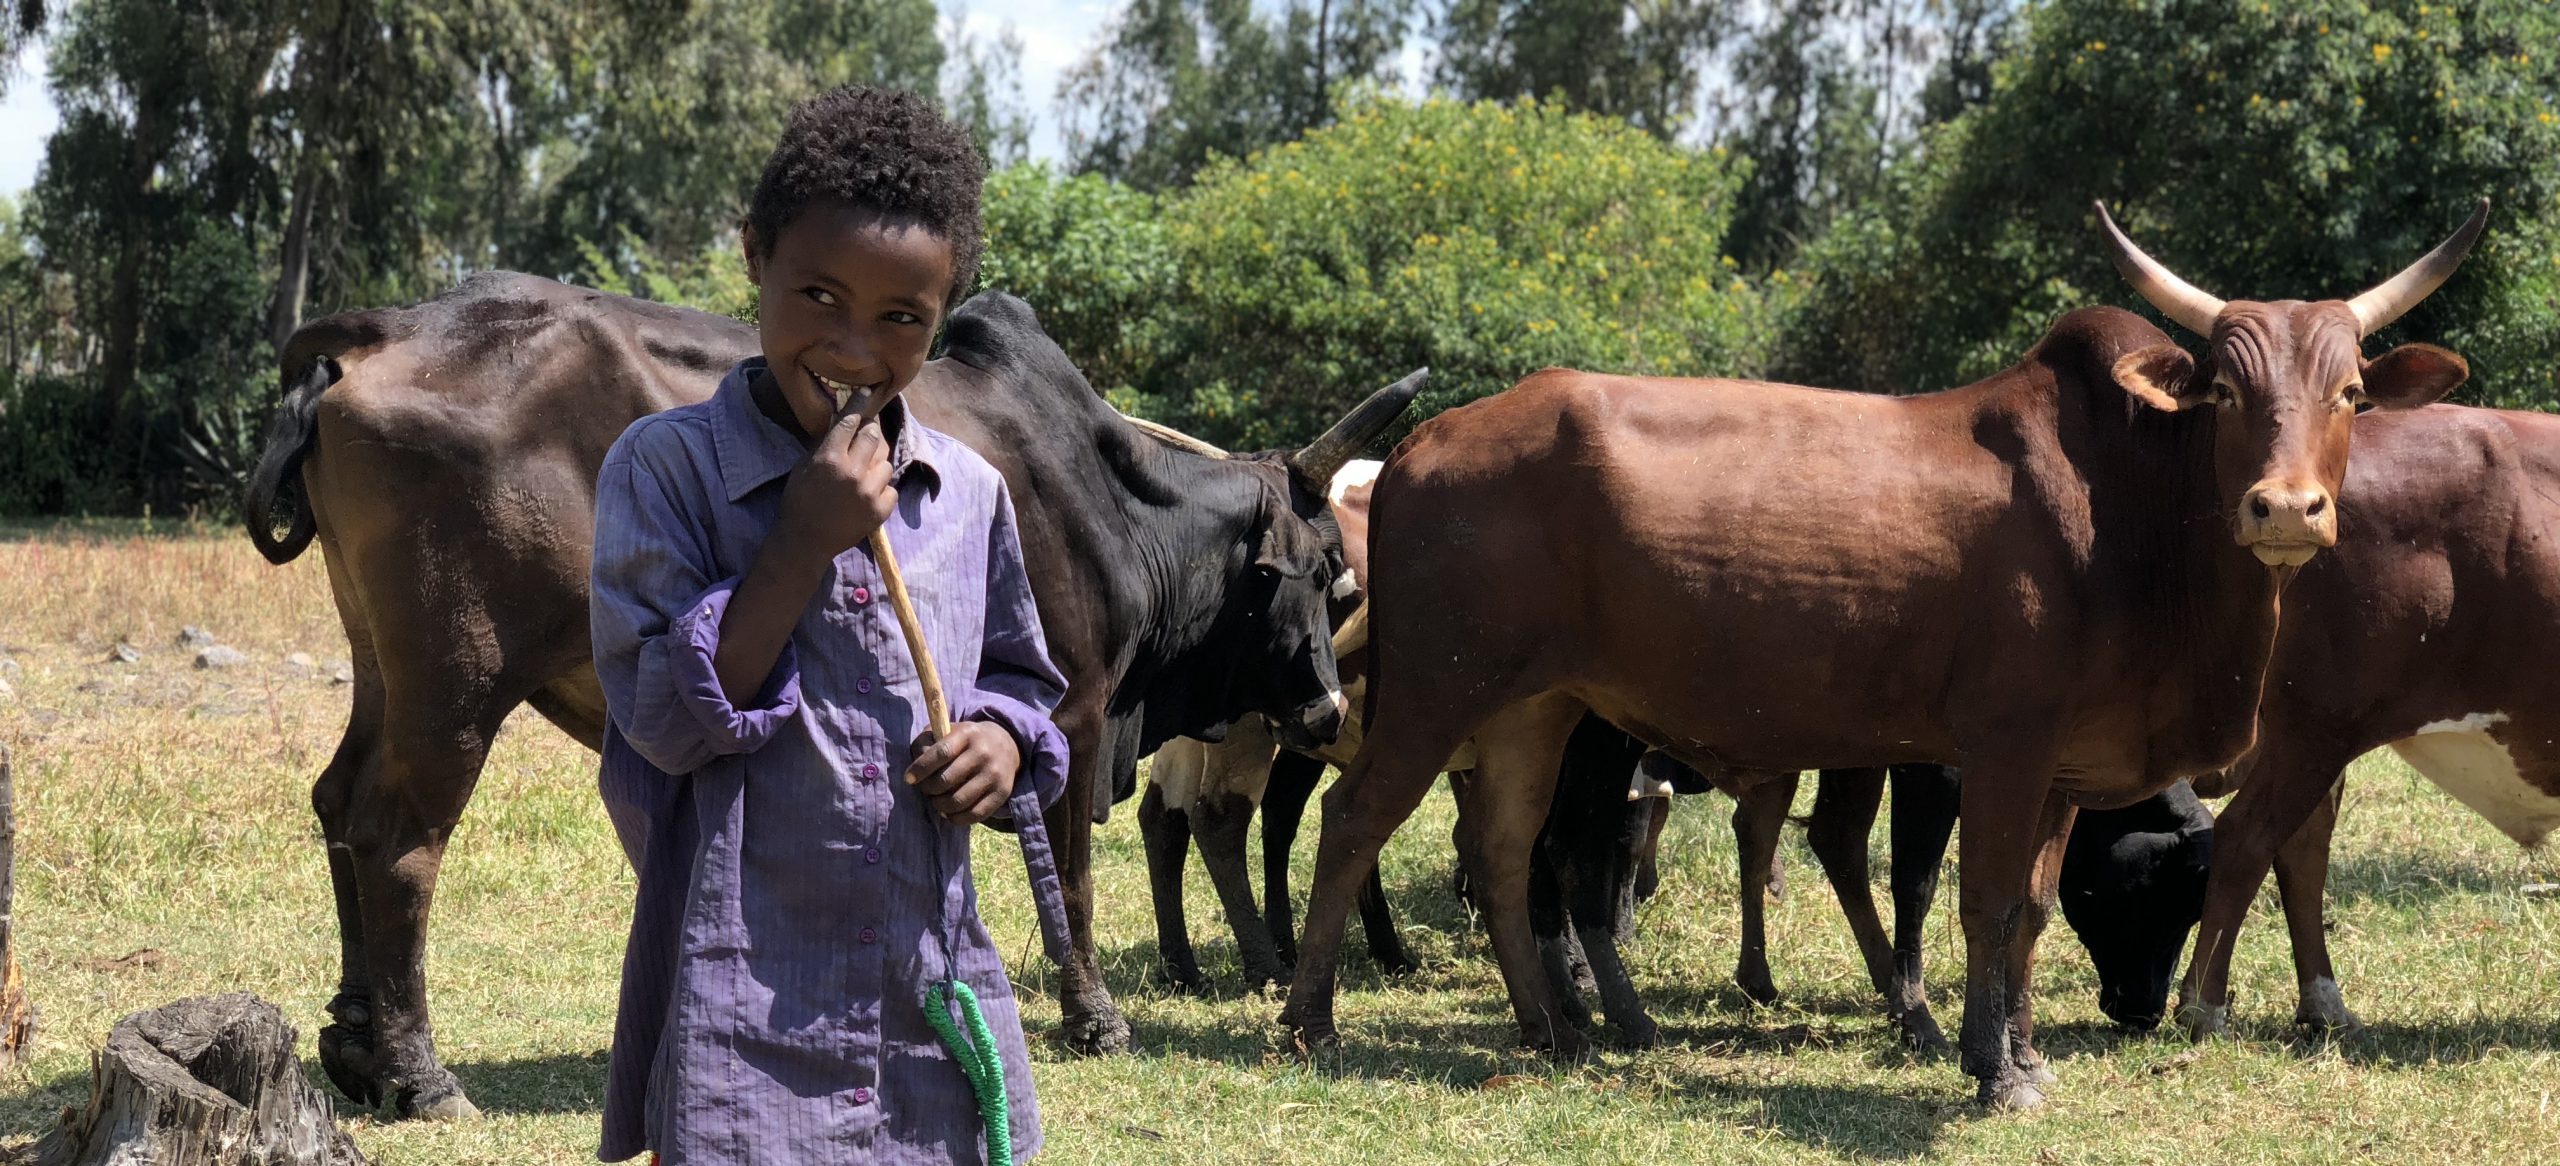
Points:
x=849 y=304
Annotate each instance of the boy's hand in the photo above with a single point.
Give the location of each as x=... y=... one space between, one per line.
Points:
x=842 y=492
x=968 y=775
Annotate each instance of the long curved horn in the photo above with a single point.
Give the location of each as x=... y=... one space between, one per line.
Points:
x=1318 y=461
x=2395 y=296
x=1174 y=437
x=2177 y=299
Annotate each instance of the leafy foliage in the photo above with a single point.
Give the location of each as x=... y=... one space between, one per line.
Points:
x=2262 y=150
x=1092 y=257
x=1484 y=240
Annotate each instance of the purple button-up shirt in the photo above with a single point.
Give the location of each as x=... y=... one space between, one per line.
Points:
x=773 y=991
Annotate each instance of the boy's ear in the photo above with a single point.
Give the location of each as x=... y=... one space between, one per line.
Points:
x=747 y=246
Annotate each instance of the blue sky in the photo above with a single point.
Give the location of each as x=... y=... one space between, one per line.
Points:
x=1055 y=33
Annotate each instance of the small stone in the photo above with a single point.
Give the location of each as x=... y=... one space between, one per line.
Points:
x=301 y=662
x=192 y=636
x=123 y=654
x=342 y=672
x=9 y=669
x=219 y=656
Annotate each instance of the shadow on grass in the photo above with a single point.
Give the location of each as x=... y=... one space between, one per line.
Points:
x=2401 y=879
x=566 y=1083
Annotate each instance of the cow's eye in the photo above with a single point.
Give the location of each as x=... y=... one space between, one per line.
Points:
x=2353 y=397
x=2224 y=394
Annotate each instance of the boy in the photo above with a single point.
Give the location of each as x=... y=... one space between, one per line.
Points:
x=802 y=851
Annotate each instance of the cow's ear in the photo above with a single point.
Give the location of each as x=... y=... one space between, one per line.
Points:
x=2413 y=375
x=2162 y=376
x=1285 y=545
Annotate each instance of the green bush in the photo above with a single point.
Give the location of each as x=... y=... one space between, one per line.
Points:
x=53 y=459
x=1092 y=258
x=1484 y=240
x=2263 y=150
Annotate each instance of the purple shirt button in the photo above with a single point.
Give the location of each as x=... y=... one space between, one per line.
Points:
x=870 y=773
x=861 y=595
x=861 y=1096
x=863 y=686
x=871 y=854
x=868 y=935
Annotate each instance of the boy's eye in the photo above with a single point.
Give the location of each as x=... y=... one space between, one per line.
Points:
x=904 y=318
x=819 y=295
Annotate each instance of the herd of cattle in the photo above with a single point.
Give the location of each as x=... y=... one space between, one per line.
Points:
x=2062 y=581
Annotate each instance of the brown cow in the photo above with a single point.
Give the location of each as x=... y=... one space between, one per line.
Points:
x=2432 y=630
x=2033 y=577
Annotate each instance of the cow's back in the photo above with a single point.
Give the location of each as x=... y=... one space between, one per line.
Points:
x=452 y=476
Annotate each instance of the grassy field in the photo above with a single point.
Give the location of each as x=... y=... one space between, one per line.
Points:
x=166 y=849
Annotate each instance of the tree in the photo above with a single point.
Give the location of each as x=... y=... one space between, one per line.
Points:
x=1484 y=240
x=1178 y=82
x=2305 y=150
x=1633 y=59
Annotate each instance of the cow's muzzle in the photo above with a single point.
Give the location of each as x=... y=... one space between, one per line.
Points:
x=1315 y=724
x=2286 y=523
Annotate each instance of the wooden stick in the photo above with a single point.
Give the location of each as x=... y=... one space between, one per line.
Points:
x=937 y=707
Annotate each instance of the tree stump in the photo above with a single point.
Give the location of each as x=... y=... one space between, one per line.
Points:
x=17 y=1015
x=209 y=1081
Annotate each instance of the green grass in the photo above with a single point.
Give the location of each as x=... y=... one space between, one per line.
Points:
x=165 y=809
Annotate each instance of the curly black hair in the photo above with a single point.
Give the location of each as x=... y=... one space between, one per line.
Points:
x=882 y=150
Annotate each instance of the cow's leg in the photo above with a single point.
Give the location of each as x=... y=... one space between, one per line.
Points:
x=1923 y=820
x=1222 y=820
x=1462 y=842
x=2286 y=783
x=1517 y=755
x=1845 y=802
x=1998 y=854
x=1563 y=958
x=346 y=1043
x=1089 y=1022
x=1166 y=833
x=2302 y=878
x=1759 y=813
x=2043 y=891
x=1284 y=805
x=396 y=830
x=1601 y=900
x=1648 y=865
x=1378 y=922
x=1401 y=755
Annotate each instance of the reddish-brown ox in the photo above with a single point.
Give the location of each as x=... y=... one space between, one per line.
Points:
x=2034 y=577
x=2431 y=631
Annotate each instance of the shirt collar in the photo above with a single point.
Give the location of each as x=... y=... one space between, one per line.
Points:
x=752 y=450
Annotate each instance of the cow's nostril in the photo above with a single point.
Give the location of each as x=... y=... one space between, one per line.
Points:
x=2319 y=502
x=2258 y=506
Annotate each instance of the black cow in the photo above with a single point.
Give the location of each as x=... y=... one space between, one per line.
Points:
x=445 y=455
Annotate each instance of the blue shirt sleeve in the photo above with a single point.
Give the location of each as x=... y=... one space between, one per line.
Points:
x=654 y=614
x=1016 y=686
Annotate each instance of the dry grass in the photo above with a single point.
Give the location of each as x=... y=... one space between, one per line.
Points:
x=163 y=809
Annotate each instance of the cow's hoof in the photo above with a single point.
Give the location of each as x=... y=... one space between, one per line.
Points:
x=2012 y=1095
x=1920 y=1034
x=2035 y=1072
x=1098 y=1034
x=2205 y=1021
x=346 y=1055
x=448 y=1106
x=1563 y=1042
x=1756 y=985
x=1184 y=976
x=1639 y=1032
x=1309 y=1034
x=2323 y=1010
x=1265 y=978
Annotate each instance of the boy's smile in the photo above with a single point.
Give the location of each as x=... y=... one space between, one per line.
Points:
x=848 y=304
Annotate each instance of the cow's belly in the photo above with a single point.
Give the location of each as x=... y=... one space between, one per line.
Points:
x=2464 y=758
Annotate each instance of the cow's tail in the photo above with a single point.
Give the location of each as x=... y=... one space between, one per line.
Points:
x=275 y=487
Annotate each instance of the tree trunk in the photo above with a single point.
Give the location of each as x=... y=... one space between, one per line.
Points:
x=208 y=1081
x=17 y=1015
x=294 y=257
